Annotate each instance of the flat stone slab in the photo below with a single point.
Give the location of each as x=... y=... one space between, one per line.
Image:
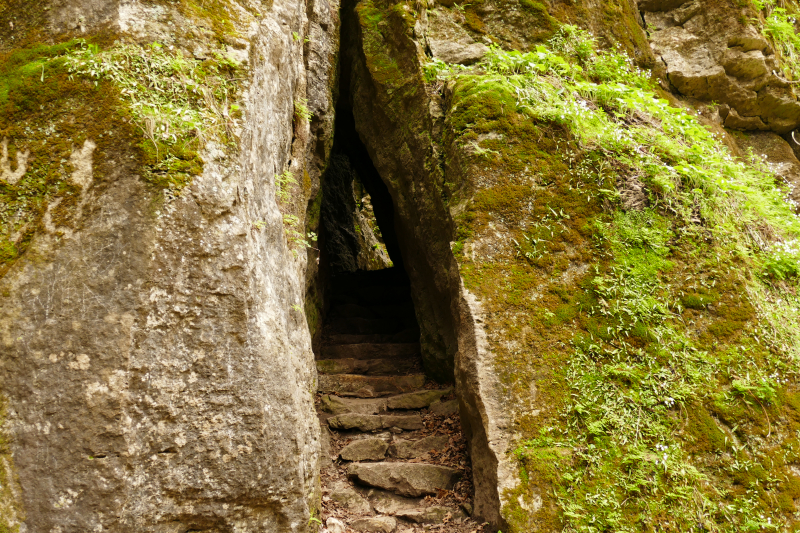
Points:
x=405 y=479
x=430 y=515
x=370 y=351
x=448 y=408
x=375 y=422
x=377 y=524
x=346 y=496
x=369 y=386
x=404 y=336
x=365 y=326
x=416 y=400
x=385 y=502
x=368 y=367
x=337 y=406
x=365 y=450
x=407 y=449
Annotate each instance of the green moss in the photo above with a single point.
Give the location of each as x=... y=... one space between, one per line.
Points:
x=641 y=329
x=543 y=25
x=47 y=112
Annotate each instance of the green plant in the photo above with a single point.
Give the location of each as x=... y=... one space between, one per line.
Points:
x=283 y=184
x=178 y=104
x=301 y=110
x=671 y=338
x=778 y=25
x=783 y=261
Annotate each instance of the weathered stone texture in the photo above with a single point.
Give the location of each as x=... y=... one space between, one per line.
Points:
x=157 y=362
x=706 y=51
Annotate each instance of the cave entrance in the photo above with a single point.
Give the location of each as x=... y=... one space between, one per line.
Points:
x=383 y=422
x=370 y=331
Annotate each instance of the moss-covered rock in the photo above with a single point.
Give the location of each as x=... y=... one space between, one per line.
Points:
x=610 y=303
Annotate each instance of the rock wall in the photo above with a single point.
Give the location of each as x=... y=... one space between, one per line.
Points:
x=476 y=176
x=156 y=360
x=711 y=51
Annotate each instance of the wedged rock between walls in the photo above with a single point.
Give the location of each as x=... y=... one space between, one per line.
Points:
x=156 y=362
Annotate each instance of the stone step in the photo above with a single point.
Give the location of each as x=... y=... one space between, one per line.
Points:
x=374 y=524
x=337 y=406
x=369 y=386
x=369 y=367
x=363 y=422
x=404 y=311
x=377 y=295
x=371 y=351
x=434 y=514
x=417 y=399
x=367 y=326
x=408 y=449
x=405 y=479
x=406 y=335
x=448 y=408
x=393 y=276
x=365 y=450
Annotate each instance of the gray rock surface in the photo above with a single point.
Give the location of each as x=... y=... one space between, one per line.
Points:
x=406 y=449
x=405 y=479
x=416 y=400
x=349 y=498
x=377 y=524
x=156 y=373
x=365 y=450
x=707 y=53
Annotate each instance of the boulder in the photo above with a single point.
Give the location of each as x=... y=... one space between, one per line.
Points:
x=461 y=54
x=405 y=479
x=365 y=450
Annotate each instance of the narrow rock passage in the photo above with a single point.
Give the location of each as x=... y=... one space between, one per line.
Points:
x=397 y=456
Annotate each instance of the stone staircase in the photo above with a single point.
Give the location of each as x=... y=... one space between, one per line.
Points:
x=397 y=457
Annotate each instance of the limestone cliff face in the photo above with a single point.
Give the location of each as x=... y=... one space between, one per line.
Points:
x=156 y=362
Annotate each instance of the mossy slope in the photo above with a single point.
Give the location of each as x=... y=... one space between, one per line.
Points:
x=640 y=329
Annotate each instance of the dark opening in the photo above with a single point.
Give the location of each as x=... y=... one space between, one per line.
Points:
x=357 y=215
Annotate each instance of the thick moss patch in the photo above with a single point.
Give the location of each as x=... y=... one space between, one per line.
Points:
x=48 y=113
x=635 y=329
